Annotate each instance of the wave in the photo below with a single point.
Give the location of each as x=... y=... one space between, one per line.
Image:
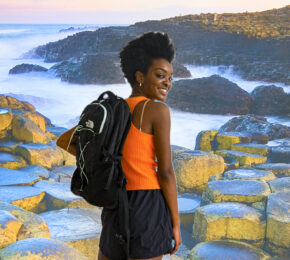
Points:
x=12 y=31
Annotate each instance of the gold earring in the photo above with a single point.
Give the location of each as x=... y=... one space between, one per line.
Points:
x=140 y=84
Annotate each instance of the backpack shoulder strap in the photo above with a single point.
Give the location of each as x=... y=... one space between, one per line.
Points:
x=141 y=118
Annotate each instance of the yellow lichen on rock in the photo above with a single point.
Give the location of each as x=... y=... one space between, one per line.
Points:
x=226 y=141
x=29 y=203
x=251 y=149
x=204 y=140
x=6 y=120
x=36 y=118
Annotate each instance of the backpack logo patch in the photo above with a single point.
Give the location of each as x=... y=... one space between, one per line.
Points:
x=90 y=124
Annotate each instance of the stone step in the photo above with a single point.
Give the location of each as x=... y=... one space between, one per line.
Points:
x=8 y=146
x=17 y=178
x=37 y=247
x=225 y=140
x=279 y=185
x=226 y=250
x=35 y=170
x=279 y=169
x=249 y=174
x=279 y=154
x=229 y=220
x=76 y=228
x=64 y=173
x=8 y=160
x=242 y=157
x=252 y=148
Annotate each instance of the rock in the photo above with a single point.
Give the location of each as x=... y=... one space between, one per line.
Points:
x=40 y=248
x=278 y=224
x=225 y=140
x=245 y=191
x=210 y=95
x=59 y=195
x=8 y=146
x=187 y=205
x=279 y=142
x=204 y=140
x=279 y=169
x=17 y=178
x=280 y=185
x=229 y=221
x=193 y=168
x=256 y=124
x=5 y=119
x=270 y=100
x=68 y=159
x=37 y=119
x=24 y=68
x=65 y=173
x=9 y=227
x=260 y=149
x=179 y=71
x=11 y=161
x=90 y=69
x=244 y=159
x=249 y=174
x=226 y=250
x=35 y=170
x=279 y=154
x=175 y=150
x=27 y=131
x=32 y=224
x=45 y=155
x=27 y=198
x=76 y=228
x=13 y=103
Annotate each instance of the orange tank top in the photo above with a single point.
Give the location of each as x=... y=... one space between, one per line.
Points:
x=138 y=160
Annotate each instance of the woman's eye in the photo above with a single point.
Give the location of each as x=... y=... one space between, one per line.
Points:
x=160 y=76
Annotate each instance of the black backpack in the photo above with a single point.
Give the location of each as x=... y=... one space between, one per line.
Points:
x=99 y=177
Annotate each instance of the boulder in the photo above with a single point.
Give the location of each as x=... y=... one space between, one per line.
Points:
x=68 y=159
x=45 y=155
x=245 y=191
x=40 y=248
x=175 y=150
x=13 y=103
x=32 y=225
x=279 y=142
x=8 y=146
x=25 y=130
x=9 y=227
x=210 y=95
x=279 y=154
x=279 y=185
x=270 y=100
x=229 y=220
x=90 y=69
x=260 y=149
x=193 y=168
x=75 y=228
x=279 y=169
x=35 y=170
x=10 y=177
x=204 y=140
x=65 y=173
x=25 y=197
x=37 y=119
x=278 y=224
x=5 y=119
x=225 y=140
x=179 y=71
x=8 y=160
x=249 y=174
x=244 y=159
x=256 y=124
x=226 y=250
x=25 y=68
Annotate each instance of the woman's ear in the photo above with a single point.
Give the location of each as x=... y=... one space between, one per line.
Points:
x=139 y=77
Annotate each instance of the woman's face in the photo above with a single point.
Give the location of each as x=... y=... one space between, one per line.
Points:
x=157 y=81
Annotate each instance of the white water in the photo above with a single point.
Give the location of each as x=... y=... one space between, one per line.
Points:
x=63 y=102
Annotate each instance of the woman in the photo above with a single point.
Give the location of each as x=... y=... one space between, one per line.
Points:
x=151 y=185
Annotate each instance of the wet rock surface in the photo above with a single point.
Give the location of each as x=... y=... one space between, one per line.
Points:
x=25 y=68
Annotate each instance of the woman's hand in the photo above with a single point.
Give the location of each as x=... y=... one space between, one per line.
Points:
x=177 y=239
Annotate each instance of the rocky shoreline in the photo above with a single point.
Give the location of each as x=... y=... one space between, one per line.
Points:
x=233 y=180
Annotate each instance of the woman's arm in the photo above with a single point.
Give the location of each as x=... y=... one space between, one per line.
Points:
x=64 y=139
x=161 y=130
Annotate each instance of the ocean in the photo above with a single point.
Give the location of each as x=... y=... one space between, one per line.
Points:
x=63 y=102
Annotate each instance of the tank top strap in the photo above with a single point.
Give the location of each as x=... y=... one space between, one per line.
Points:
x=133 y=101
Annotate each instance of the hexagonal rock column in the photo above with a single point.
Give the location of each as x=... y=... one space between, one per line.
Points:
x=187 y=205
x=9 y=227
x=279 y=154
x=204 y=140
x=40 y=248
x=25 y=197
x=193 y=168
x=11 y=161
x=76 y=228
x=32 y=224
x=59 y=195
x=175 y=150
x=279 y=169
x=226 y=250
x=44 y=155
x=64 y=173
x=229 y=220
x=245 y=191
x=225 y=140
x=278 y=224
x=260 y=149
x=249 y=174
x=279 y=185
x=243 y=158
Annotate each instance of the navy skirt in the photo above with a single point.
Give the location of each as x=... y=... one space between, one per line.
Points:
x=149 y=223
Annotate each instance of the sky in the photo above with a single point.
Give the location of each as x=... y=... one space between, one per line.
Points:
x=120 y=12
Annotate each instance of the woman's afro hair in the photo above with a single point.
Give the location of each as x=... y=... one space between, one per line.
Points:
x=138 y=54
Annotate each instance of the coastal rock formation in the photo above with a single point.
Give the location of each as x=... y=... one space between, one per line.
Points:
x=179 y=71
x=25 y=68
x=213 y=95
